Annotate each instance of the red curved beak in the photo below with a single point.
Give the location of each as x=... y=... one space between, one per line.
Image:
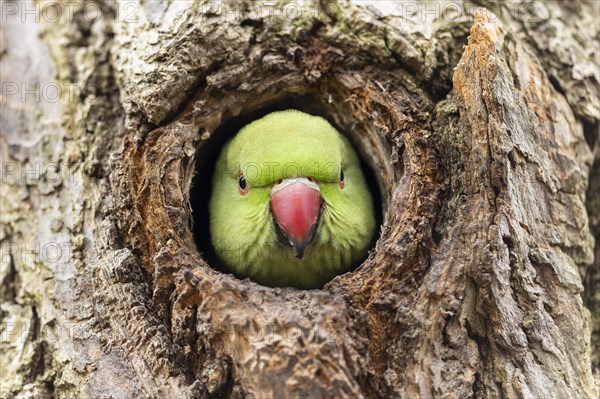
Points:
x=295 y=204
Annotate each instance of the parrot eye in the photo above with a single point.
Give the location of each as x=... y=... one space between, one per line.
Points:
x=342 y=184
x=243 y=186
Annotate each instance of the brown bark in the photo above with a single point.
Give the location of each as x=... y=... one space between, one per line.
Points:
x=481 y=127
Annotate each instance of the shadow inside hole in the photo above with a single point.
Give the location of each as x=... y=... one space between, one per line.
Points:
x=208 y=153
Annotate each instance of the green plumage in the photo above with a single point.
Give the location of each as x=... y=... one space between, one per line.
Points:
x=283 y=145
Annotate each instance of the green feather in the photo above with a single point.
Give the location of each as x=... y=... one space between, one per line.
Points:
x=282 y=145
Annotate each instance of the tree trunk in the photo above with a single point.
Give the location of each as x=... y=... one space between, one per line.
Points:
x=480 y=122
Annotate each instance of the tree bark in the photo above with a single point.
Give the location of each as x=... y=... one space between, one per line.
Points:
x=479 y=120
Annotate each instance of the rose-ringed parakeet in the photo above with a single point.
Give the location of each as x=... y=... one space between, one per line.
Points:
x=290 y=206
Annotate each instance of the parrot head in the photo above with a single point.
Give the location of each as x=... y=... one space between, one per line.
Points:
x=290 y=206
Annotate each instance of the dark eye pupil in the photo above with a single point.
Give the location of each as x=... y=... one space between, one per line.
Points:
x=242 y=182
x=341 y=175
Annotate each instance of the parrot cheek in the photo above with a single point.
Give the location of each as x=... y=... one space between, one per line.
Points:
x=295 y=205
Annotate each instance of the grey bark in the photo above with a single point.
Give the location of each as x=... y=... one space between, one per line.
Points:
x=480 y=120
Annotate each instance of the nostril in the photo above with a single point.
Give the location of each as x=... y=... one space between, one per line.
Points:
x=311 y=179
x=279 y=181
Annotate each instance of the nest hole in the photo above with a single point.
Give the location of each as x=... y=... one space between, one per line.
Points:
x=209 y=150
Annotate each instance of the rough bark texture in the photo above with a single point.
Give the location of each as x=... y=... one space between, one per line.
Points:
x=480 y=122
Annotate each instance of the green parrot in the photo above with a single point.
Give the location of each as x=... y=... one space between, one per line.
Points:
x=290 y=206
